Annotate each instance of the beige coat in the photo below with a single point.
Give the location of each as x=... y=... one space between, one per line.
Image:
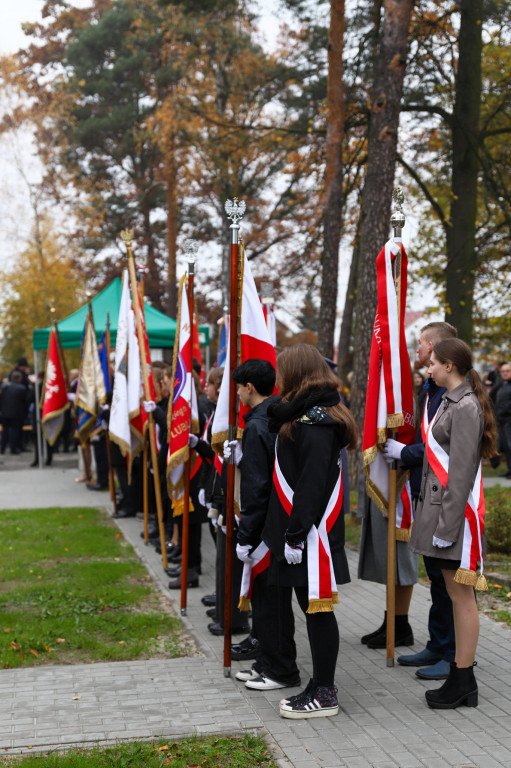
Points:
x=440 y=512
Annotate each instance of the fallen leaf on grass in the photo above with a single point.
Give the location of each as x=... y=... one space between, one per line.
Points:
x=117 y=535
x=34 y=653
x=15 y=646
x=121 y=642
x=162 y=749
x=60 y=640
x=8 y=629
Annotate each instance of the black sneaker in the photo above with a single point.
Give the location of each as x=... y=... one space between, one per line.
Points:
x=247 y=649
x=319 y=701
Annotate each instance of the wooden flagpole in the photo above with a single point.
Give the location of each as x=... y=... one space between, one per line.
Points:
x=191 y=247
x=397 y=221
x=127 y=237
x=234 y=211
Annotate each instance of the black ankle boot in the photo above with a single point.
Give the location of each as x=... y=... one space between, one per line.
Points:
x=381 y=630
x=403 y=634
x=459 y=688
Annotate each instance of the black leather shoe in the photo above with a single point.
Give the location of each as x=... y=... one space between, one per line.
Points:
x=191 y=582
x=152 y=533
x=247 y=649
x=211 y=612
x=217 y=629
x=208 y=600
x=125 y=513
x=370 y=635
x=174 y=571
x=96 y=487
x=403 y=636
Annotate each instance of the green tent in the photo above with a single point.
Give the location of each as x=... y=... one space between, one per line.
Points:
x=161 y=329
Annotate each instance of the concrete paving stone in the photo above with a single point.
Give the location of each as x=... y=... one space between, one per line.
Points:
x=487 y=761
x=405 y=759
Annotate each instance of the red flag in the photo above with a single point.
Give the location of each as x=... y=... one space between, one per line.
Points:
x=255 y=343
x=196 y=353
x=389 y=403
x=55 y=392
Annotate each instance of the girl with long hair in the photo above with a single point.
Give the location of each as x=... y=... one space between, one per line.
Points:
x=449 y=518
x=304 y=527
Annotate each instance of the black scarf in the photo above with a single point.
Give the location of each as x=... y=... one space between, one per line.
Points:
x=280 y=413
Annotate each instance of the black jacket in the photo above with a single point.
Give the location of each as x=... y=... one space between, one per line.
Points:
x=412 y=455
x=503 y=400
x=310 y=465
x=14 y=401
x=256 y=467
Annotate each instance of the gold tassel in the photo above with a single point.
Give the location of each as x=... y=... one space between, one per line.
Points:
x=466 y=576
x=481 y=585
x=395 y=420
x=403 y=534
x=244 y=603
x=321 y=605
x=335 y=598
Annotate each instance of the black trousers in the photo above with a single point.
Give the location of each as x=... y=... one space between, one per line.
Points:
x=273 y=623
x=239 y=618
x=323 y=634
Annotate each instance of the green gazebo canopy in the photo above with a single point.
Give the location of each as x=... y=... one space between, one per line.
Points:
x=160 y=328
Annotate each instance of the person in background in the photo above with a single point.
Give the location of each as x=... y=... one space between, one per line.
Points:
x=502 y=399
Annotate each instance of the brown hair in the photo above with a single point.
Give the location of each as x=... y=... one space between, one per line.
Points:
x=458 y=353
x=301 y=368
x=199 y=390
x=215 y=377
x=440 y=330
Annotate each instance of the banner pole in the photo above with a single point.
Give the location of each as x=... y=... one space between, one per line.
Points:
x=397 y=221
x=127 y=237
x=111 y=479
x=191 y=247
x=234 y=211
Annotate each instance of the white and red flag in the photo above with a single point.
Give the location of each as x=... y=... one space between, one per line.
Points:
x=389 y=400
x=183 y=415
x=255 y=342
x=55 y=401
x=138 y=416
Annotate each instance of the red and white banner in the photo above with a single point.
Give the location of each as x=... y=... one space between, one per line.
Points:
x=255 y=343
x=320 y=570
x=55 y=401
x=183 y=410
x=389 y=401
x=472 y=551
x=258 y=563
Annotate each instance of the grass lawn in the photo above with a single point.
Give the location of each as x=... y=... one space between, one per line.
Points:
x=245 y=752
x=72 y=590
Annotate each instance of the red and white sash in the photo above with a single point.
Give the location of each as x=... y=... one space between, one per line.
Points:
x=259 y=562
x=321 y=576
x=472 y=551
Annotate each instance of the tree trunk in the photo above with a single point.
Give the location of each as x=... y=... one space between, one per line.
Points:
x=461 y=252
x=332 y=215
x=343 y=350
x=377 y=197
x=172 y=229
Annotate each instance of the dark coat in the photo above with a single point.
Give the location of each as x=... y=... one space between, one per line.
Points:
x=14 y=401
x=310 y=465
x=503 y=400
x=412 y=456
x=256 y=467
x=440 y=512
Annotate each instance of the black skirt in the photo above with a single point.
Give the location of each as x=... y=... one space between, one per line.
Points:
x=444 y=564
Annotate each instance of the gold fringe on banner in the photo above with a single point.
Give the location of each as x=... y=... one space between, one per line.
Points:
x=471 y=579
x=395 y=420
x=403 y=534
x=323 y=604
x=244 y=603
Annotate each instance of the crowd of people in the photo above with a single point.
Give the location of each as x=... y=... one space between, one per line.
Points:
x=293 y=495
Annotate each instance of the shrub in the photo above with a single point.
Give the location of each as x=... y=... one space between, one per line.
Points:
x=498 y=520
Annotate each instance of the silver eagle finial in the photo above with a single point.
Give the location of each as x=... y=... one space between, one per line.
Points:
x=235 y=210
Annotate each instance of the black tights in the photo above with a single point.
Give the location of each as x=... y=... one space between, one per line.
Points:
x=323 y=635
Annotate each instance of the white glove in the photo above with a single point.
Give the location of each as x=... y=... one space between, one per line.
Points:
x=293 y=555
x=149 y=405
x=234 y=447
x=441 y=543
x=192 y=440
x=202 y=497
x=71 y=396
x=392 y=450
x=242 y=551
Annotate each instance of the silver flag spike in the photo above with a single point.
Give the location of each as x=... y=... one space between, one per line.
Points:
x=235 y=210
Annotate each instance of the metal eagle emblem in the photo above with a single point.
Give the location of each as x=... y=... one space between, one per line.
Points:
x=235 y=210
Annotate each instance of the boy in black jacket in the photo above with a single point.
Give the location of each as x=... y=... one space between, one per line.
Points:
x=275 y=665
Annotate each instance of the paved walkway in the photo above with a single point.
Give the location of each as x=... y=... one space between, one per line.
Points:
x=384 y=720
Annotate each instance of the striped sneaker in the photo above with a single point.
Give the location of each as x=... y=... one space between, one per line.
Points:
x=319 y=701
x=247 y=674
